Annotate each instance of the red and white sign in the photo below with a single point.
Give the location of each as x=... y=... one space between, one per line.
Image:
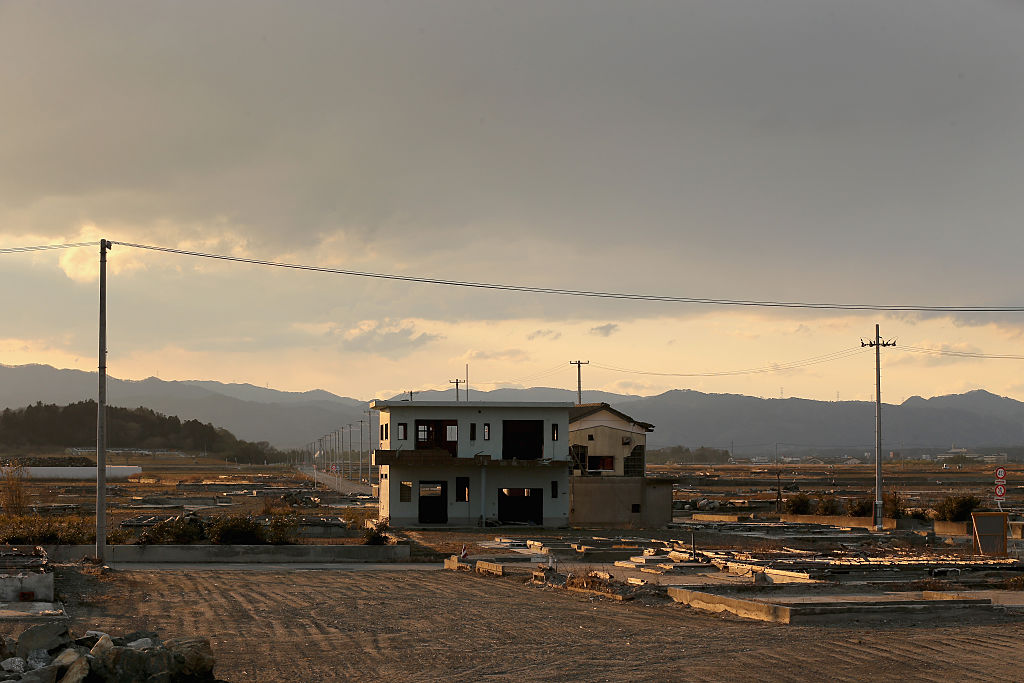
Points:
x=1000 y=475
x=1000 y=492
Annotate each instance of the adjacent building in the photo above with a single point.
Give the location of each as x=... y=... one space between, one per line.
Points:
x=468 y=463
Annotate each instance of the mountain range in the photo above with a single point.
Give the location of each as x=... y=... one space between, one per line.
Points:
x=751 y=425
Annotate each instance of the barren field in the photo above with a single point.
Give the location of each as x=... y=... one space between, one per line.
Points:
x=325 y=625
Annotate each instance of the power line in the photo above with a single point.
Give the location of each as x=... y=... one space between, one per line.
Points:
x=46 y=247
x=586 y=293
x=777 y=367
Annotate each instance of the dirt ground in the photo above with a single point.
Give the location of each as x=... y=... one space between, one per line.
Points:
x=324 y=625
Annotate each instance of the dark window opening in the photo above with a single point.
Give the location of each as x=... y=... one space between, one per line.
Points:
x=554 y=431
x=382 y=431
x=522 y=439
x=387 y=430
x=472 y=431
x=601 y=463
x=554 y=489
x=405 y=492
x=636 y=507
x=403 y=431
x=590 y=437
x=437 y=434
x=579 y=456
x=461 y=489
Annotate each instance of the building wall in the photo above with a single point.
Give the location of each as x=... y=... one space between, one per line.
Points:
x=608 y=431
x=608 y=502
x=496 y=476
x=480 y=415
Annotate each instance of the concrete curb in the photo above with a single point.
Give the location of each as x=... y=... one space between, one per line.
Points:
x=273 y=554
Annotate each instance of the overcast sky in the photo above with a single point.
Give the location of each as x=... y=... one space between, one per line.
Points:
x=858 y=152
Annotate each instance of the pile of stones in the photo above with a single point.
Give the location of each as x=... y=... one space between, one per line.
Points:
x=47 y=653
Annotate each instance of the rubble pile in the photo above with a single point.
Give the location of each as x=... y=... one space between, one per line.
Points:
x=47 y=653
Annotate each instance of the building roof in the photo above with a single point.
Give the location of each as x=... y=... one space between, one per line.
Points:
x=378 y=404
x=582 y=410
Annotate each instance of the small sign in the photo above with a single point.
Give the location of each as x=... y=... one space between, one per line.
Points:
x=1000 y=492
x=1000 y=475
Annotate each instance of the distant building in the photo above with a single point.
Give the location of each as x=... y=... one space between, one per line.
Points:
x=469 y=463
x=609 y=486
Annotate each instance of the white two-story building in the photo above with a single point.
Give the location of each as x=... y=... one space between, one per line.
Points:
x=471 y=463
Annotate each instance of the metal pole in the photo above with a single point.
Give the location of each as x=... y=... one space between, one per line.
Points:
x=579 y=379
x=878 y=430
x=101 y=414
x=361 y=451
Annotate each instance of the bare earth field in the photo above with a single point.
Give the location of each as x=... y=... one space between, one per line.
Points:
x=323 y=625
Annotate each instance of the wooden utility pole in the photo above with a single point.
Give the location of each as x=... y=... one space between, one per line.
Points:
x=579 y=379
x=456 y=382
x=101 y=414
x=877 y=343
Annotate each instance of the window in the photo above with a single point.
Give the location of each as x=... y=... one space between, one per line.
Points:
x=554 y=488
x=402 y=432
x=405 y=492
x=381 y=431
x=451 y=433
x=636 y=507
x=554 y=431
x=472 y=431
x=600 y=463
x=387 y=430
x=422 y=432
x=461 y=489
x=590 y=437
x=487 y=431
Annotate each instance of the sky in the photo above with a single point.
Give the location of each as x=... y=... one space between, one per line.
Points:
x=795 y=150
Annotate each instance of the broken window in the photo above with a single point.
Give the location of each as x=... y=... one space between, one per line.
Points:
x=554 y=488
x=636 y=507
x=461 y=489
x=405 y=492
x=601 y=463
x=472 y=431
x=402 y=432
x=487 y=431
x=590 y=437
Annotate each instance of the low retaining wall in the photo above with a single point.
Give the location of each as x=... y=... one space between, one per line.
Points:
x=953 y=528
x=858 y=522
x=114 y=472
x=235 y=553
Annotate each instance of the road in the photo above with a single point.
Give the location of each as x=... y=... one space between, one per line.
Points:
x=338 y=484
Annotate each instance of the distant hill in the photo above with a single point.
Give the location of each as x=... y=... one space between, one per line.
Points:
x=681 y=417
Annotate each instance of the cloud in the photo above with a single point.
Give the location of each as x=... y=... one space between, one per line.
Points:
x=606 y=330
x=504 y=354
x=539 y=334
x=386 y=338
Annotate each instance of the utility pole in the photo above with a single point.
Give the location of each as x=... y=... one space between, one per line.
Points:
x=878 y=344
x=361 y=421
x=456 y=382
x=411 y=392
x=579 y=378
x=467 y=382
x=101 y=414
x=349 y=450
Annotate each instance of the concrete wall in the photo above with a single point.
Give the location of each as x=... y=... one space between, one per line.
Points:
x=40 y=584
x=234 y=553
x=857 y=522
x=492 y=478
x=608 y=502
x=114 y=472
x=479 y=413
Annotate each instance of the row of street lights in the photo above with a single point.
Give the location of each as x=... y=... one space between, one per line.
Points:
x=328 y=453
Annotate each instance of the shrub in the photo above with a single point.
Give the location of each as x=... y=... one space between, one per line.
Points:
x=800 y=504
x=865 y=507
x=12 y=479
x=893 y=506
x=827 y=505
x=180 y=530
x=236 y=530
x=37 y=530
x=957 y=508
x=377 y=534
x=282 y=530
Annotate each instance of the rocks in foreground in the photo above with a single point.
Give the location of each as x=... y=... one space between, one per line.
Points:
x=48 y=653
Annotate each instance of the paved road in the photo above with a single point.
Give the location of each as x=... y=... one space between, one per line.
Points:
x=280 y=566
x=337 y=483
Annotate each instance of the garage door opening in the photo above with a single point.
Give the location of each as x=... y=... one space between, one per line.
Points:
x=521 y=506
x=433 y=502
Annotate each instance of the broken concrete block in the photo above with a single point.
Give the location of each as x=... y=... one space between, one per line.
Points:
x=197 y=654
x=46 y=674
x=67 y=657
x=101 y=646
x=37 y=659
x=13 y=664
x=43 y=637
x=141 y=644
x=77 y=672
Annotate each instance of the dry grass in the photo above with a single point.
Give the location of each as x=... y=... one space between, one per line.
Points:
x=12 y=490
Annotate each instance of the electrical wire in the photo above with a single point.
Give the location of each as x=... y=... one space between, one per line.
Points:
x=46 y=247
x=776 y=367
x=584 y=293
